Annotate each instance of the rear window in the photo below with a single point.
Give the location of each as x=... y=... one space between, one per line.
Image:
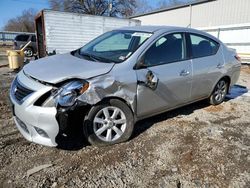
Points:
x=203 y=46
x=22 y=38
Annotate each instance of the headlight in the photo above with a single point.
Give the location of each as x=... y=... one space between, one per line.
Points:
x=69 y=92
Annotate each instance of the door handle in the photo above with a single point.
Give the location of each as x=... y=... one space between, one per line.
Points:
x=219 y=66
x=184 y=73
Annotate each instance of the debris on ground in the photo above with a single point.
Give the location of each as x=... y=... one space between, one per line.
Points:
x=37 y=169
x=198 y=145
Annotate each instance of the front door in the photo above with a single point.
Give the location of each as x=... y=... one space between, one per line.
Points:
x=165 y=80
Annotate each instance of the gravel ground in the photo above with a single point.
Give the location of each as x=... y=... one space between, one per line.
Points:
x=195 y=146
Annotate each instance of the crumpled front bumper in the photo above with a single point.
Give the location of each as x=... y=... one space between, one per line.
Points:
x=33 y=120
x=36 y=123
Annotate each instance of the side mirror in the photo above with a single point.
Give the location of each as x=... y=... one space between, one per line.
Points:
x=152 y=80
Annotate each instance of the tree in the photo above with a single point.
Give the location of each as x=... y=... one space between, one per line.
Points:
x=169 y=3
x=142 y=6
x=116 y=8
x=23 y=23
x=60 y=5
x=145 y=6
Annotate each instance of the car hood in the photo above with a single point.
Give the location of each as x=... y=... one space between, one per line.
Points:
x=57 y=68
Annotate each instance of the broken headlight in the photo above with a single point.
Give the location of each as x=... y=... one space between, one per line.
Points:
x=67 y=94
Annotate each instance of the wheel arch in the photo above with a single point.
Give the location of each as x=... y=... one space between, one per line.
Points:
x=88 y=127
x=226 y=78
x=30 y=48
x=105 y=99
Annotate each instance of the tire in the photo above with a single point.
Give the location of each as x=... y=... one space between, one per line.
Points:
x=219 y=92
x=28 y=52
x=101 y=129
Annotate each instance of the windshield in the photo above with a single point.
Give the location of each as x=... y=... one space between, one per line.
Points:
x=115 y=46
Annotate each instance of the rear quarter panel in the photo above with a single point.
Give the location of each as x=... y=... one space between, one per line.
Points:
x=232 y=65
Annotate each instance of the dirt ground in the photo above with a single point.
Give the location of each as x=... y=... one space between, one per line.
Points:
x=195 y=146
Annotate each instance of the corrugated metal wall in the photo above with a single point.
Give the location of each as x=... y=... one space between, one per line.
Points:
x=214 y=13
x=235 y=36
x=176 y=17
x=228 y=20
x=220 y=12
x=68 y=31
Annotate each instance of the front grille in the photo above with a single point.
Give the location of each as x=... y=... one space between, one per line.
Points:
x=20 y=91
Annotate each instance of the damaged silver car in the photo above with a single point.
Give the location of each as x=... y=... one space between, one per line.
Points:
x=119 y=78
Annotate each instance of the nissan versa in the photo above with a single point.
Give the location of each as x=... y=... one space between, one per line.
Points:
x=118 y=78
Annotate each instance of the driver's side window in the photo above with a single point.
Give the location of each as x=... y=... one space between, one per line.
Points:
x=167 y=49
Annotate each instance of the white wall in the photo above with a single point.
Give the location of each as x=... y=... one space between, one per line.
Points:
x=236 y=36
x=214 y=13
x=210 y=15
x=221 y=12
x=179 y=17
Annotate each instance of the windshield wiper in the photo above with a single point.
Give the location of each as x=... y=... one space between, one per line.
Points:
x=97 y=58
x=90 y=56
x=103 y=59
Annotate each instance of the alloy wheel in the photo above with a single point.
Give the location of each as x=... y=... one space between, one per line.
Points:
x=220 y=91
x=109 y=123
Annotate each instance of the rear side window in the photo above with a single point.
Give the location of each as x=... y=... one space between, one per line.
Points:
x=203 y=46
x=23 y=38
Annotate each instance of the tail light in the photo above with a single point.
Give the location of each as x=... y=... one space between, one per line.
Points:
x=237 y=57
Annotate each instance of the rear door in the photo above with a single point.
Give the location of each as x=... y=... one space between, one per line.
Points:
x=208 y=63
x=165 y=62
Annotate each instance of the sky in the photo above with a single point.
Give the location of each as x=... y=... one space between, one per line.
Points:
x=12 y=8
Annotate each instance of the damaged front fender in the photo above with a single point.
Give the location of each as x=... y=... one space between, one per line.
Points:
x=106 y=86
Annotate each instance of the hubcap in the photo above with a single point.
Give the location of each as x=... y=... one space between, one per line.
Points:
x=109 y=123
x=28 y=52
x=221 y=91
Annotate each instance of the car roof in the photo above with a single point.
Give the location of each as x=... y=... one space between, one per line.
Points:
x=149 y=28
x=153 y=29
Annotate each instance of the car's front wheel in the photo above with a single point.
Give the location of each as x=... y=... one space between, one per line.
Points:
x=109 y=123
x=219 y=93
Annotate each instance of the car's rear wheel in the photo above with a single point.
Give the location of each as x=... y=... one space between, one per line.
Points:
x=219 y=93
x=28 y=52
x=108 y=123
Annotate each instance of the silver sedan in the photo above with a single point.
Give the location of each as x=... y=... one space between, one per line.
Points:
x=119 y=78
